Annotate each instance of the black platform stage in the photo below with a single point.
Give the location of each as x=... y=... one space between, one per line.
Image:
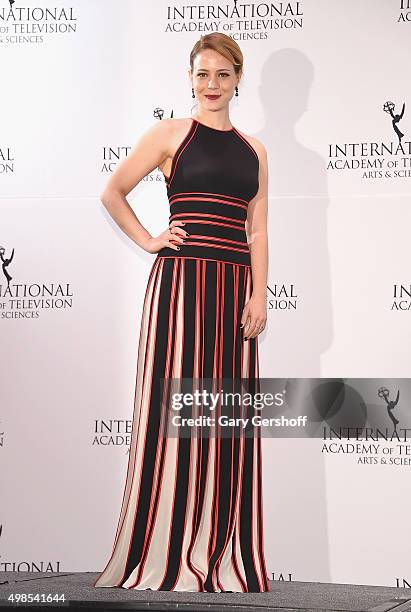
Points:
x=80 y=594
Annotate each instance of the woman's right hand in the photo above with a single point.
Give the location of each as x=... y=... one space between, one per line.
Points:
x=173 y=234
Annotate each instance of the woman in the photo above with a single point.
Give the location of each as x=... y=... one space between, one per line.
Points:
x=191 y=516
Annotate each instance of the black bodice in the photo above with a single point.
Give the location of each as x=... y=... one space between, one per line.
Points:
x=213 y=177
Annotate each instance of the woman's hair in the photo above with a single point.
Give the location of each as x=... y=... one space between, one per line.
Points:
x=223 y=44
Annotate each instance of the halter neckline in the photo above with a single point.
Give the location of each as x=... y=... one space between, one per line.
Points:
x=211 y=128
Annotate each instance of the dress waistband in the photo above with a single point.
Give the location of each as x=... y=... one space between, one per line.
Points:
x=216 y=227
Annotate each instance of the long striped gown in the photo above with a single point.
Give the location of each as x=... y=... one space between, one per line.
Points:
x=191 y=517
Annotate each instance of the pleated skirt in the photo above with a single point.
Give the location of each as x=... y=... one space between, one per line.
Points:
x=191 y=518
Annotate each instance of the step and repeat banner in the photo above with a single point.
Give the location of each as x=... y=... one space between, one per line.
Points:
x=326 y=89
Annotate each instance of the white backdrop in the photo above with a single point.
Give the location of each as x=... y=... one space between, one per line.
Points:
x=81 y=80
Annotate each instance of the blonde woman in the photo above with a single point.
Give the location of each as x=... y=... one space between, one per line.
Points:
x=191 y=517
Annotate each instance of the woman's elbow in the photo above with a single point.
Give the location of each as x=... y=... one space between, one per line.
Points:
x=106 y=196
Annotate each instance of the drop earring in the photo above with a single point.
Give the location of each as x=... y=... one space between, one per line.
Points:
x=236 y=91
x=193 y=95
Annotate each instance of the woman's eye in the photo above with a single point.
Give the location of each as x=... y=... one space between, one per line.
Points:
x=200 y=74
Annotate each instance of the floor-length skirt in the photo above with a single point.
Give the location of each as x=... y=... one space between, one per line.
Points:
x=191 y=515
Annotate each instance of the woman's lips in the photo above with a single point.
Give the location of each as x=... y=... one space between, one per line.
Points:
x=213 y=97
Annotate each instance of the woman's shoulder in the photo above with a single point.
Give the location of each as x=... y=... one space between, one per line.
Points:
x=169 y=133
x=168 y=129
x=175 y=125
x=255 y=143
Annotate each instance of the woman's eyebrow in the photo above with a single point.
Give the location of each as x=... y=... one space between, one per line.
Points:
x=218 y=70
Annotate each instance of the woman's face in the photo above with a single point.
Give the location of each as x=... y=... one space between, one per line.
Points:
x=213 y=75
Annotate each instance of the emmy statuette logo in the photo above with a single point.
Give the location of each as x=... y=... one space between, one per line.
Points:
x=5 y=262
x=158 y=113
x=391 y=404
x=389 y=108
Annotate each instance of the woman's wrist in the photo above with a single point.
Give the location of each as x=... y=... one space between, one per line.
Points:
x=259 y=294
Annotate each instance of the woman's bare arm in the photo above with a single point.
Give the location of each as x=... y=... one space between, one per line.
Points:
x=254 y=316
x=150 y=151
x=257 y=227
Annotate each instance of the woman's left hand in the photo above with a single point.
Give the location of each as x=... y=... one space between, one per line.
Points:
x=254 y=317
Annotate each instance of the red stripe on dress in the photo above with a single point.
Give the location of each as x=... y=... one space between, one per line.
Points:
x=260 y=520
x=207 y=193
x=173 y=314
x=260 y=499
x=201 y=268
x=242 y=456
x=208 y=215
x=222 y=314
x=236 y=534
x=253 y=518
x=153 y=506
x=155 y=271
x=230 y=263
x=215 y=246
x=235 y=283
x=189 y=488
x=176 y=160
x=196 y=479
x=247 y=143
x=213 y=531
x=208 y=200
x=158 y=280
x=217 y=238
x=230 y=517
x=207 y=222
x=220 y=376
